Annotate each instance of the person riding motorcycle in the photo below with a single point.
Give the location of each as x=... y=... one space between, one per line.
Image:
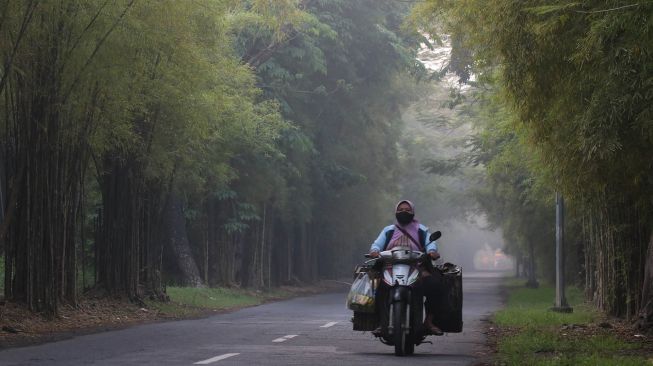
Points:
x=408 y=232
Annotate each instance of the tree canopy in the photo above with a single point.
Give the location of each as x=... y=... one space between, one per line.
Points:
x=212 y=142
x=568 y=91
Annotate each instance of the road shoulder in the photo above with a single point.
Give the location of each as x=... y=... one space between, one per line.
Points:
x=93 y=314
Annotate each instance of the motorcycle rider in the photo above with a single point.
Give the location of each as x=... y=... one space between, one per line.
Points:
x=408 y=232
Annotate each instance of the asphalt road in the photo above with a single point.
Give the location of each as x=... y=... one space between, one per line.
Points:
x=305 y=331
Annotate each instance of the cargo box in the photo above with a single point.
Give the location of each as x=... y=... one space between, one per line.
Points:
x=449 y=317
x=365 y=321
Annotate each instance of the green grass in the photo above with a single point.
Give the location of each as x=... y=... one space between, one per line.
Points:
x=534 y=335
x=212 y=298
x=189 y=301
x=530 y=307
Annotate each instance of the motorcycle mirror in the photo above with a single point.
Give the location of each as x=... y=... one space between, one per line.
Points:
x=435 y=236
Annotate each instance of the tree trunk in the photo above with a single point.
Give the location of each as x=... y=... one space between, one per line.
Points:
x=117 y=239
x=532 y=279
x=179 y=244
x=645 y=317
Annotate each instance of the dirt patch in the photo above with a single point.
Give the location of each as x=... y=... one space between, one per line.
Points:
x=20 y=327
x=488 y=355
x=626 y=332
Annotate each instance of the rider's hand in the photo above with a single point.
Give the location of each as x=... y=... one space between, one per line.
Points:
x=374 y=254
x=434 y=255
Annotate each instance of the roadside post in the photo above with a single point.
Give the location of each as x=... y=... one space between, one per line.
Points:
x=560 y=304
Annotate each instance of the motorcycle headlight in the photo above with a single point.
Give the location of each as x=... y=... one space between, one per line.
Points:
x=401 y=254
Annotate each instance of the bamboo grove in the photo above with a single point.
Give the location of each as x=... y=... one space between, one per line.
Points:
x=565 y=96
x=210 y=142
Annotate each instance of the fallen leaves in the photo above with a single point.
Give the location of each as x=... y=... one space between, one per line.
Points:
x=19 y=326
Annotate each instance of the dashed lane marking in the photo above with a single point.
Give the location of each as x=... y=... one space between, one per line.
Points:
x=284 y=338
x=216 y=359
x=328 y=325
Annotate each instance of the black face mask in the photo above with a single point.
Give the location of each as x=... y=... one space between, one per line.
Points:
x=404 y=217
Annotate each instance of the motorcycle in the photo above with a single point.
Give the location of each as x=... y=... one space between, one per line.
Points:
x=403 y=308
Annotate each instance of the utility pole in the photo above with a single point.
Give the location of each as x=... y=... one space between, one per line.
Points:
x=560 y=301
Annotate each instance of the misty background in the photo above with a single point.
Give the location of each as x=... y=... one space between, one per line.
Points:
x=244 y=144
x=437 y=131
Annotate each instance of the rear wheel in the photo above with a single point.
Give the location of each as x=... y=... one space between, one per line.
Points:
x=398 y=334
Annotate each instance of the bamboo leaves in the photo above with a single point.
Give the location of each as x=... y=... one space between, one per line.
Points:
x=573 y=77
x=227 y=131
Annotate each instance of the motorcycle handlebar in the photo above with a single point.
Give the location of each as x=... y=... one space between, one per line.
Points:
x=421 y=254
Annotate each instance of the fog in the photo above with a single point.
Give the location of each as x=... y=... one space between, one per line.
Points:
x=436 y=132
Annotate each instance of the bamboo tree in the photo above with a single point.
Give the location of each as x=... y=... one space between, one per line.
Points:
x=574 y=78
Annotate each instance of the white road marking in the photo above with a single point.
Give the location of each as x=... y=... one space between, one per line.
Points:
x=216 y=359
x=284 y=338
x=329 y=324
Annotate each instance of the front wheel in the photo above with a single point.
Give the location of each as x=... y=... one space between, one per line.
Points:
x=410 y=347
x=398 y=324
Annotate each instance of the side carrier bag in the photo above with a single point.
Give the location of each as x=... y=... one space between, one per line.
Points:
x=361 y=294
x=449 y=318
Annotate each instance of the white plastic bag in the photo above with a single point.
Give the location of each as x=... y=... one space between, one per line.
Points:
x=361 y=294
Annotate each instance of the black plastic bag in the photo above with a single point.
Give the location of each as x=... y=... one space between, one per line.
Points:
x=449 y=317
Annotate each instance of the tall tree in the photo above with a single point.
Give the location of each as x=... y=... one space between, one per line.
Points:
x=575 y=78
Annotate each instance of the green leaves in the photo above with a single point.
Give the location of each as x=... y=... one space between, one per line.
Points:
x=555 y=8
x=289 y=105
x=441 y=166
x=568 y=111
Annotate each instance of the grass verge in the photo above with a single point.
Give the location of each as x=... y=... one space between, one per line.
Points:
x=529 y=333
x=190 y=301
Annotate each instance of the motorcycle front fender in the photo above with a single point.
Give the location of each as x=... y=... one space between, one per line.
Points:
x=401 y=293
